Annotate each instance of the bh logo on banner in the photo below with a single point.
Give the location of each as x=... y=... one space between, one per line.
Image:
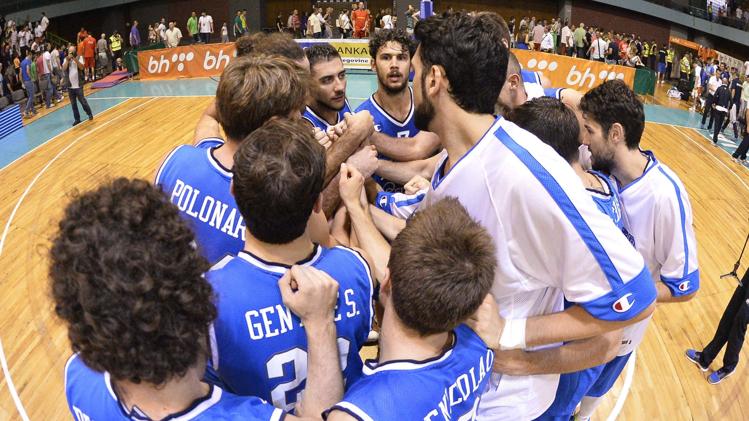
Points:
x=188 y=61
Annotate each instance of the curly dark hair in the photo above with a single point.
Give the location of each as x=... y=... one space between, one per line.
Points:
x=471 y=51
x=613 y=102
x=127 y=281
x=387 y=35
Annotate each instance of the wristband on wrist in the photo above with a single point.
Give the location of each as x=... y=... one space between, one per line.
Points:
x=513 y=335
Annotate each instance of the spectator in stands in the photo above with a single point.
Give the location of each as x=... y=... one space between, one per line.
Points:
x=662 y=54
x=538 y=35
x=205 y=23
x=173 y=35
x=5 y=86
x=224 y=33
x=612 y=53
x=346 y=27
x=102 y=54
x=744 y=98
x=39 y=32
x=598 y=47
x=237 y=27
x=153 y=36
x=192 y=27
x=73 y=68
x=411 y=21
x=49 y=73
x=44 y=23
x=547 y=43
x=361 y=18
x=161 y=30
x=23 y=42
x=89 y=56
x=314 y=26
x=245 y=28
x=566 y=40
x=28 y=84
x=579 y=36
x=135 y=36
x=294 y=24
x=279 y=22
x=43 y=76
x=115 y=45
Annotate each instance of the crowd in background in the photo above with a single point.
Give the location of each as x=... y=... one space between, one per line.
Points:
x=729 y=12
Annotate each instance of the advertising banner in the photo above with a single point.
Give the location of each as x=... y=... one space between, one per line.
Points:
x=569 y=72
x=204 y=60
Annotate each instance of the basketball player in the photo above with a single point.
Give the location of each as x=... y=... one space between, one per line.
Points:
x=556 y=125
x=270 y=361
x=327 y=104
x=430 y=365
x=129 y=285
x=655 y=206
x=532 y=204
x=391 y=106
x=357 y=127
x=197 y=178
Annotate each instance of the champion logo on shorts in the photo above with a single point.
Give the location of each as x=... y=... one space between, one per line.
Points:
x=623 y=304
x=684 y=286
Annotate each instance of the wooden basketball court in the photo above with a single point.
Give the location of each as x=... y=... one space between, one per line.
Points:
x=130 y=139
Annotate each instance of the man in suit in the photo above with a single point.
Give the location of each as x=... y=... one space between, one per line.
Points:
x=721 y=102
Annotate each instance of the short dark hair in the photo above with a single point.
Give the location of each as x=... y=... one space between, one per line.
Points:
x=129 y=284
x=321 y=52
x=614 y=102
x=276 y=43
x=279 y=172
x=441 y=267
x=255 y=88
x=552 y=122
x=387 y=35
x=471 y=51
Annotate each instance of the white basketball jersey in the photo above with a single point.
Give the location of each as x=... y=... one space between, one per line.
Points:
x=552 y=242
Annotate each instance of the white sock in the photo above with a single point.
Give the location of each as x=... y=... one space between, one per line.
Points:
x=588 y=406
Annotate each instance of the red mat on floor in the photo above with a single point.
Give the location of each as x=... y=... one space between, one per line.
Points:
x=112 y=79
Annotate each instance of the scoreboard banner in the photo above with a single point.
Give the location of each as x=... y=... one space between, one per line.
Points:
x=205 y=60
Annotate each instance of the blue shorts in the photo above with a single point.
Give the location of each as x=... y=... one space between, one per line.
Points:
x=610 y=373
x=571 y=390
x=661 y=67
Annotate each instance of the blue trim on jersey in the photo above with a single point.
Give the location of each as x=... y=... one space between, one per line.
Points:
x=682 y=219
x=387 y=198
x=651 y=165
x=570 y=391
x=319 y=122
x=608 y=376
x=683 y=286
x=566 y=206
x=530 y=76
x=554 y=92
x=412 y=201
x=625 y=302
x=439 y=176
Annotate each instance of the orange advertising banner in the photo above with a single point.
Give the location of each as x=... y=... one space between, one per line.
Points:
x=684 y=43
x=189 y=61
x=575 y=73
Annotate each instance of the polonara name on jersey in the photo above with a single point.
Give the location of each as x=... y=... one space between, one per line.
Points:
x=275 y=320
x=207 y=209
x=465 y=385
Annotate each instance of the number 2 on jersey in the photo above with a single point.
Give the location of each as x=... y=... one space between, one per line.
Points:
x=286 y=395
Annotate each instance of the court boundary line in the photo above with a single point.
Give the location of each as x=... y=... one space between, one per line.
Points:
x=55 y=136
x=148 y=96
x=715 y=157
x=3 y=360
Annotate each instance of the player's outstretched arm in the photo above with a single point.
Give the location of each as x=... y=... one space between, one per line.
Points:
x=207 y=125
x=403 y=172
x=389 y=225
x=359 y=127
x=572 y=324
x=370 y=239
x=312 y=295
x=421 y=146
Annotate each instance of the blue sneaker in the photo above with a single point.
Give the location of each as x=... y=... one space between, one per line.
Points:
x=719 y=375
x=694 y=356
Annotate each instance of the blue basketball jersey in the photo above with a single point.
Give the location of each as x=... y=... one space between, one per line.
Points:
x=554 y=92
x=199 y=185
x=610 y=203
x=389 y=125
x=443 y=388
x=319 y=122
x=91 y=397
x=259 y=345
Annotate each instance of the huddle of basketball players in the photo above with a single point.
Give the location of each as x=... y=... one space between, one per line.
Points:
x=457 y=213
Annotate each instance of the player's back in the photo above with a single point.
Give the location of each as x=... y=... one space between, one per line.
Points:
x=199 y=185
x=659 y=216
x=260 y=345
x=91 y=397
x=319 y=122
x=441 y=388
